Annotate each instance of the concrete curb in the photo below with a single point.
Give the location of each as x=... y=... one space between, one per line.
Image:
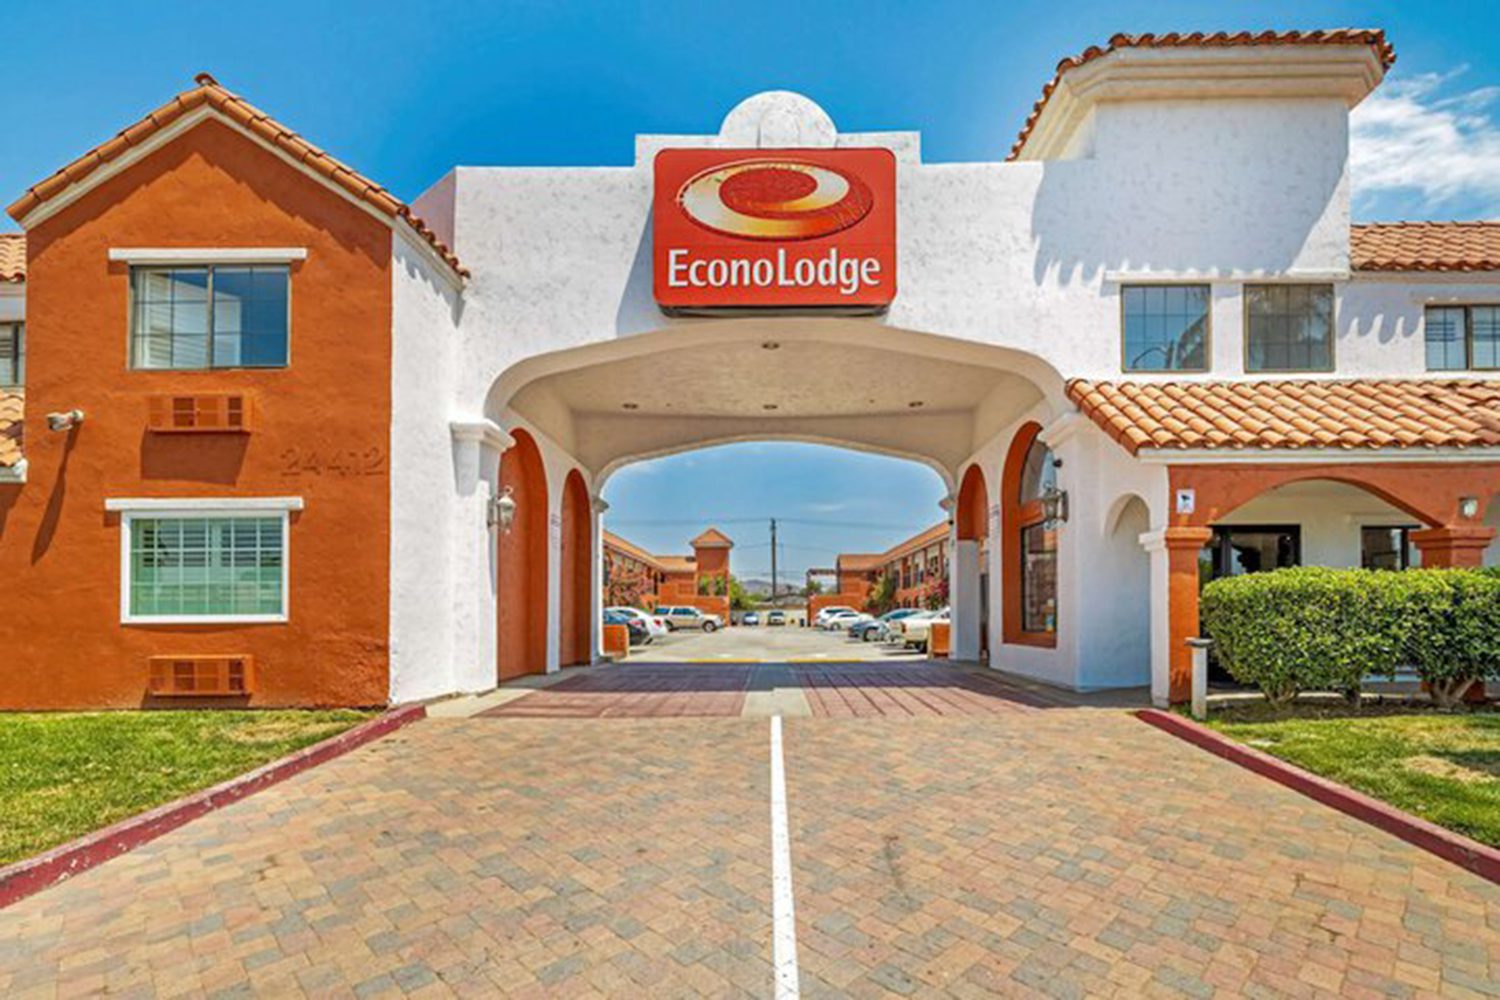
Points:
x=32 y=875
x=1478 y=858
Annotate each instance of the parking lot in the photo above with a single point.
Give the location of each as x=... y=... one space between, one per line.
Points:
x=765 y=644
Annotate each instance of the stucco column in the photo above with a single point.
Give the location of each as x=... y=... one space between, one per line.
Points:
x=1174 y=608
x=477 y=448
x=597 y=507
x=1453 y=544
x=963 y=598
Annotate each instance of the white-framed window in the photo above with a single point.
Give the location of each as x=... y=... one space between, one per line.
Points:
x=12 y=355
x=210 y=316
x=204 y=561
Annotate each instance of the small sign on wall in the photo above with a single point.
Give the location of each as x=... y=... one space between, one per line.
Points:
x=1187 y=501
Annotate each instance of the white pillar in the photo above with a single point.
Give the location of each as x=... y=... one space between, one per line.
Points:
x=555 y=499
x=477 y=447
x=597 y=507
x=1155 y=544
x=963 y=598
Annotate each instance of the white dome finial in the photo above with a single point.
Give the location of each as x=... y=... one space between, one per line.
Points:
x=778 y=118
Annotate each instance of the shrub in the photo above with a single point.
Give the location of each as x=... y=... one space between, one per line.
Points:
x=1452 y=626
x=1306 y=628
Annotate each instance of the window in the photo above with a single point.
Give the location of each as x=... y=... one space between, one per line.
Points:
x=1245 y=549
x=1288 y=328
x=1385 y=548
x=1165 y=328
x=1038 y=578
x=12 y=355
x=1460 y=337
x=1038 y=543
x=206 y=568
x=209 y=317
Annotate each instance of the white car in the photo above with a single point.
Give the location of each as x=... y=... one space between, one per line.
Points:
x=840 y=620
x=655 y=627
x=821 y=619
x=914 y=629
x=678 y=617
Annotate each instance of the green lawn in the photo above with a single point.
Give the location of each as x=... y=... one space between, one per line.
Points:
x=1442 y=767
x=65 y=774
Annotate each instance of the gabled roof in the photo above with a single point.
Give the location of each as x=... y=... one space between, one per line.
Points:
x=235 y=109
x=12 y=258
x=1425 y=246
x=1345 y=414
x=1374 y=38
x=12 y=407
x=859 y=562
x=713 y=538
x=677 y=564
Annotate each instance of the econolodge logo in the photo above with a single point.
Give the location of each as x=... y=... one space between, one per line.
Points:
x=775 y=228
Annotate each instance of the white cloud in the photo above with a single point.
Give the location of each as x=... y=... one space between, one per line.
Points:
x=1415 y=136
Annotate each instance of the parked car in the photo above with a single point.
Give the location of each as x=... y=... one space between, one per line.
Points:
x=655 y=627
x=751 y=618
x=680 y=617
x=850 y=625
x=821 y=618
x=915 y=628
x=839 y=620
x=776 y=618
x=879 y=629
x=639 y=636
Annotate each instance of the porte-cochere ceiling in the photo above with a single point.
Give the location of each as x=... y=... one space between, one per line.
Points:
x=849 y=382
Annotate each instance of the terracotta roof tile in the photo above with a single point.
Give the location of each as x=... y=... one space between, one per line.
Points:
x=859 y=562
x=12 y=257
x=1425 y=246
x=920 y=540
x=712 y=538
x=1353 y=414
x=1197 y=39
x=12 y=407
x=677 y=564
x=249 y=117
x=612 y=540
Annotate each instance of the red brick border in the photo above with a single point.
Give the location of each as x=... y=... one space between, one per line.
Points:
x=32 y=875
x=1478 y=858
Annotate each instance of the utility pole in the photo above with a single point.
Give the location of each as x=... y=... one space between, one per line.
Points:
x=773 y=564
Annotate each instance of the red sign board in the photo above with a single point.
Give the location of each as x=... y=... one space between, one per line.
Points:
x=775 y=228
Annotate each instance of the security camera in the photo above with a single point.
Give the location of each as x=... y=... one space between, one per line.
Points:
x=64 y=421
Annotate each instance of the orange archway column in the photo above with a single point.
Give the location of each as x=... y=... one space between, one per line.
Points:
x=577 y=573
x=521 y=646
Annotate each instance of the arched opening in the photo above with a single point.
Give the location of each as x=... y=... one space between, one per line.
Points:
x=1029 y=578
x=970 y=592
x=1124 y=622
x=576 y=560
x=522 y=598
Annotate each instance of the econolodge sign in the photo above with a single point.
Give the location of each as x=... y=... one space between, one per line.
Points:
x=767 y=228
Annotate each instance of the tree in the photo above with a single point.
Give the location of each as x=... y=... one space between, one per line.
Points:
x=739 y=597
x=883 y=595
x=813 y=589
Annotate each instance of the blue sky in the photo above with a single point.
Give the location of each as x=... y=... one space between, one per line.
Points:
x=403 y=92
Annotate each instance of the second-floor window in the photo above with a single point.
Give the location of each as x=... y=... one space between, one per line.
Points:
x=1462 y=337
x=1165 y=328
x=209 y=317
x=1288 y=328
x=12 y=355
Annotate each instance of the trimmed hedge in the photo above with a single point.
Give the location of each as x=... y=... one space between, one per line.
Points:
x=1317 y=629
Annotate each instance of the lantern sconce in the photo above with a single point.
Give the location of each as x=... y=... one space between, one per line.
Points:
x=502 y=511
x=1468 y=507
x=64 y=421
x=1054 y=506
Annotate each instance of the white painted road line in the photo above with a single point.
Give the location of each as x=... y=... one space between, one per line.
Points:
x=783 y=916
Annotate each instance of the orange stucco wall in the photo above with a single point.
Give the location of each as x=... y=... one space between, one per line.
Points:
x=322 y=433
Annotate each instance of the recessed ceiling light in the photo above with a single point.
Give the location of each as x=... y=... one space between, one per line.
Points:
x=769 y=345
x=768 y=406
x=630 y=406
x=915 y=404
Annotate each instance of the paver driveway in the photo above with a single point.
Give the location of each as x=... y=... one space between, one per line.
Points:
x=1023 y=851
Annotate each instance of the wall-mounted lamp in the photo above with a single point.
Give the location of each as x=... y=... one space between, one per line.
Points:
x=1054 y=506
x=1468 y=507
x=64 y=421
x=502 y=511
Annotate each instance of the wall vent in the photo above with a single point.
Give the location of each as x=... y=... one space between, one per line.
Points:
x=202 y=676
x=200 y=413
